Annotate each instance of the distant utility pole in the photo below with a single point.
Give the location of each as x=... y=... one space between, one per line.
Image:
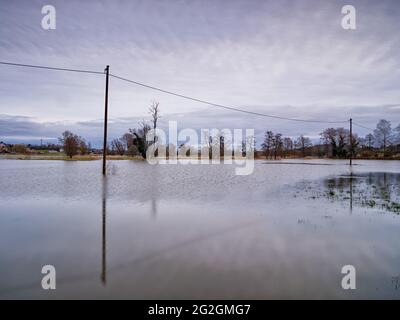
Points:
x=107 y=71
x=351 y=141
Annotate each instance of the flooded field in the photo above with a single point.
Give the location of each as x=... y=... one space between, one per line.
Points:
x=199 y=231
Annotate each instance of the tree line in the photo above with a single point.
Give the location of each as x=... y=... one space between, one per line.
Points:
x=383 y=142
x=336 y=143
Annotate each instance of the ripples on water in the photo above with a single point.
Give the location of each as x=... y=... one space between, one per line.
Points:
x=192 y=231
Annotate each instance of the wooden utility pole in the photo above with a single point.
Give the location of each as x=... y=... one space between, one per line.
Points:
x=351 y=141
x=107 y=71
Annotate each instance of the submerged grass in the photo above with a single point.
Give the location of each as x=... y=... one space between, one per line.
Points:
x=371 y=190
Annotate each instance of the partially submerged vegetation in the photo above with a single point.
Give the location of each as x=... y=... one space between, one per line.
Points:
x=373 y=190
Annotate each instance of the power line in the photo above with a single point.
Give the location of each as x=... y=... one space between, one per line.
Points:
x=49 y=68
x=172 y=93
x=220 y=105
x=361 y=126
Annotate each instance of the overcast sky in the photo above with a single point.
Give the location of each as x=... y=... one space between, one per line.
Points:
x=287 y=58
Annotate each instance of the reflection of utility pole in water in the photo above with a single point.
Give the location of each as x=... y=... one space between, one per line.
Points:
x=351 y=142
x=154 y=191
x=153 y=207
x=351 y=190
x=104 y=243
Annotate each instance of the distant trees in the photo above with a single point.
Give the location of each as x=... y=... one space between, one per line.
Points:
x=384 y=142
x=155 y=115
x=134 y=141
x=132 y=150
x=276 y=146
x=383 y=133
x=397 y=134
x=288 y=146
x=70 y=143
x=83 y=147
x=127 y=139
x=369 y=140
x=334 y=143
x=130 y=145
x=118 y=146
x=20 y=149
x=383 y=139
x=303 y=143
x=221 y=146
x=337 y=139
x=251 y=145
x=139 y=139
x=268 y=143
x=73 y=144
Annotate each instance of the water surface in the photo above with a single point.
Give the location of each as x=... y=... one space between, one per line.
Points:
x=199 y=231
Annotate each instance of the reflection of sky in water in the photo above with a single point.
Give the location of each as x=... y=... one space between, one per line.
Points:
x=375 y=190
x=196 y=231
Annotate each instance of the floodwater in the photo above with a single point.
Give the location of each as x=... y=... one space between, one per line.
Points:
x=199 y=231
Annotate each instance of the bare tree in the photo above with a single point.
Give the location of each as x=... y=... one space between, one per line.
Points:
x=329 y=138
x=70 y=143
x=155 y=115
x=369 y=140
x=82 y=146
x=248 y=146
x=215 y=146
x=127 y=138
x=140 y=140
x=118 y=147
x=132 y=151
x=277 y=145
x=221 y=146
x=267 y=144
x=383 y=133
x=303 y=143
x=397 y=135
x=337 y=139
x=210 y=143
x=243 y=148
x=287 y=146
x=343 y=136
x=353 y=145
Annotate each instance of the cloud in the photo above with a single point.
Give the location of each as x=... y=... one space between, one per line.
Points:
x=287 y=58
x=28 y=129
